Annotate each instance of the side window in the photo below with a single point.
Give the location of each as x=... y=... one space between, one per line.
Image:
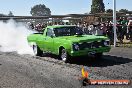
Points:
x=49 y=32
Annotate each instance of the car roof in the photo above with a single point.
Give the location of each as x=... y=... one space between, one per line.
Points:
x=58 y=26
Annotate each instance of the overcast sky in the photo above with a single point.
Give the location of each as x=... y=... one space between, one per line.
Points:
x=23 y=7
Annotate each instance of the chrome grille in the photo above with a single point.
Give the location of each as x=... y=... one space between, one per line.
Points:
x=95 y=44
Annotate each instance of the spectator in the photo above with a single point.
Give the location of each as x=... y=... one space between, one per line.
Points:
x=120 y=36
x=124 y=23
x=130 y=29
x=103 y=28
x=32 y=26
x=90 y=28
x=110 y=32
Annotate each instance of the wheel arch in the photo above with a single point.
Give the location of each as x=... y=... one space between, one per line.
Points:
x=63 y=47
x=32 y=43
x=60 y=48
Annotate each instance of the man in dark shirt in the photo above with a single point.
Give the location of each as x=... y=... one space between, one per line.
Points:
x=130 y=29
x=110 y=33
x=119 y=32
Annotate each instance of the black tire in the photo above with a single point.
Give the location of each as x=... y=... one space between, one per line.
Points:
x=64 y=56
x=37 y=51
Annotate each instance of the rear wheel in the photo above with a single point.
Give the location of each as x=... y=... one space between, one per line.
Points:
x=64 y=55
x=37 y=50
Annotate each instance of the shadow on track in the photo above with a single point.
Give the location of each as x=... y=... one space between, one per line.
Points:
x=105 y=61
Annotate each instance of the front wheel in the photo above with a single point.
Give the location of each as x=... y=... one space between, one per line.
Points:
x=37 y=50
x=64 y=55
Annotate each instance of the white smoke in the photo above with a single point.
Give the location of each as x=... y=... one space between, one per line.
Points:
x=13 y=37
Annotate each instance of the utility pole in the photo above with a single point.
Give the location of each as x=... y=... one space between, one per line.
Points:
x=114 y=20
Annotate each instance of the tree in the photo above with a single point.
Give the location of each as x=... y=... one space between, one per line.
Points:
x=123 y=10
x=97 y=6
x=109 y=11
x=40 y=10
x=10 y=13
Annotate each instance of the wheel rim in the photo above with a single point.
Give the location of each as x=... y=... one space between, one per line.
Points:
x=63 y=55
x=35 y=49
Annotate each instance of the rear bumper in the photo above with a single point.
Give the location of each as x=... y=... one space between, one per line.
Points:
x=86 y=52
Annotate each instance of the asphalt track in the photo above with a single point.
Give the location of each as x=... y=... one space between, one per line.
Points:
x=25 y=71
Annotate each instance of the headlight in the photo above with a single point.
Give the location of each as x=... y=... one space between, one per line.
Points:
x=75 y=47
x=106 y=43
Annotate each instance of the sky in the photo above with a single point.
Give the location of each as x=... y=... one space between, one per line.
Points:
x=57 y=7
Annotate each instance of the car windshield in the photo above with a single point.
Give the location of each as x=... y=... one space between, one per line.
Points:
x=68 y=31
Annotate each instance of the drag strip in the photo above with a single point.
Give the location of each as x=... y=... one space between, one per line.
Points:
x=25 y=71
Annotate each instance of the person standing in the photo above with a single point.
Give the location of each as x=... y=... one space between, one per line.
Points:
x=124 y=23
x=130 y=29
x=119 y=32
x=110 y=32
x=103 y=28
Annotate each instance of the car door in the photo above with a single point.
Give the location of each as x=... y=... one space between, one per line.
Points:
x=49 y=40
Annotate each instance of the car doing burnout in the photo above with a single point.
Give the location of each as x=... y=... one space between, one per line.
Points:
x=67 y=41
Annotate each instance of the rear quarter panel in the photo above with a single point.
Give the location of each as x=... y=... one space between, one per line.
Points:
x=33 y=39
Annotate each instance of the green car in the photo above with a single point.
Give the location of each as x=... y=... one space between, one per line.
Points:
x=67 y=41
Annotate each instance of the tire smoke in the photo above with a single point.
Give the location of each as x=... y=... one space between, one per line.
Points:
x=13 y=37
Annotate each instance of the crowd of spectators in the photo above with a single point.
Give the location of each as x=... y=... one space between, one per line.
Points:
x=124 y=28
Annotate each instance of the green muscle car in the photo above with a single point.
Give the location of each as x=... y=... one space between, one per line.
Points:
x=67 y=41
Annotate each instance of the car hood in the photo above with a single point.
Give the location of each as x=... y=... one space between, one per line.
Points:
x=83 y=38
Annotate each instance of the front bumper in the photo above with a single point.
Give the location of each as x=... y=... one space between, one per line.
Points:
x=87 y=51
